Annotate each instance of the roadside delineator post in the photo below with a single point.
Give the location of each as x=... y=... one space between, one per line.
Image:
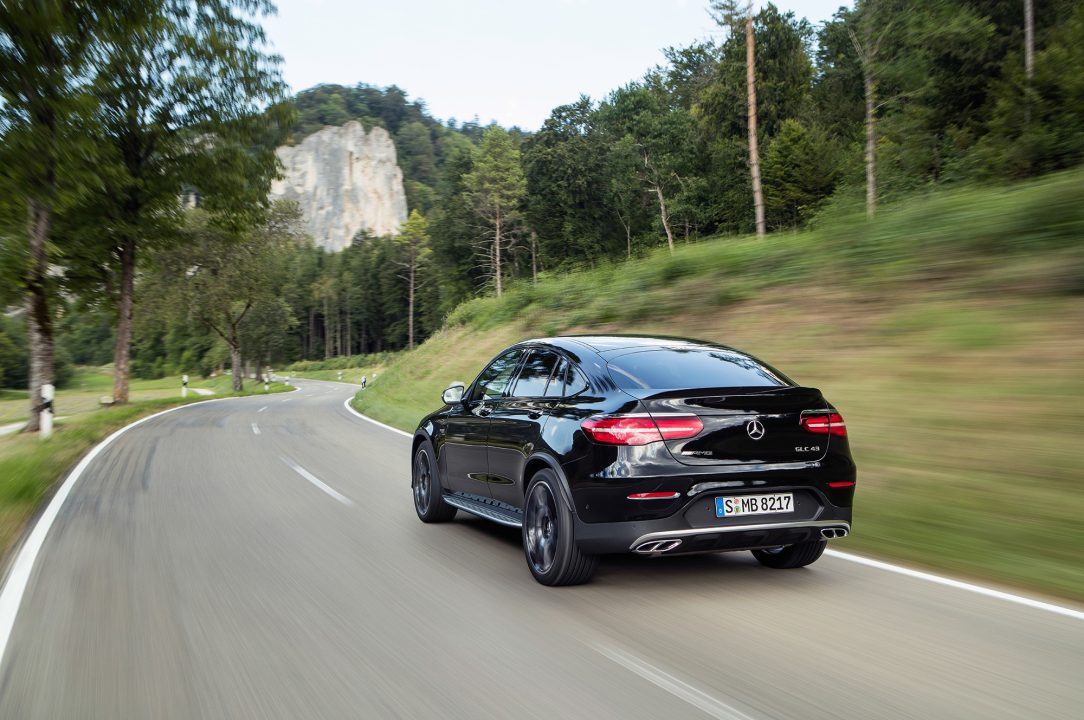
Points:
x=46 y=419
x=184 y=385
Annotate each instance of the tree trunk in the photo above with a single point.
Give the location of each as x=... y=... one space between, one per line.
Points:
x=628 y=234
x=39 y=320
x=327 y=333
x=534 y=263
x=123 y=345
x=410 y=309
x=1029 y=40
x=1029 y=55
x=311 y=341
x=754 y=150
x=236 y=366
x=665 y=215
x=497 y=252
x=871 y=144
x=349 y=330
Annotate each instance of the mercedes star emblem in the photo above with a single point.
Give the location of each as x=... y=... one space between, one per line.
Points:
x=755 y=428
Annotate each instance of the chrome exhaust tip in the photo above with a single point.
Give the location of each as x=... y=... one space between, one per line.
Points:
x=833 y=533
x=655 y=547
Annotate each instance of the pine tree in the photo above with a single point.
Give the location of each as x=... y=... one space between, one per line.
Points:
x=495 y=188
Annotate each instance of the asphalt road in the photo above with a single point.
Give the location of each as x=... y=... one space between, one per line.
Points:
x=260 y=558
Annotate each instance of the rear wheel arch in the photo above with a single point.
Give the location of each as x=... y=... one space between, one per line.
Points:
x=544 y=461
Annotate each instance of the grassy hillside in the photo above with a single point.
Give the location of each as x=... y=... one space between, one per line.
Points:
x=950 y=332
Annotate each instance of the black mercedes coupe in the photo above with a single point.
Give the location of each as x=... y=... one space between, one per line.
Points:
x=651 y=445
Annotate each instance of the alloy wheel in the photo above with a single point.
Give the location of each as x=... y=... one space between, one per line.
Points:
x=422 y=482
x=541 y=524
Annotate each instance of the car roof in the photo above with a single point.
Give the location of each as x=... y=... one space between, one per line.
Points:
x=603 y=344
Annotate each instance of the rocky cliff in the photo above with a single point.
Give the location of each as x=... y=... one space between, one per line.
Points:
x=345 y=180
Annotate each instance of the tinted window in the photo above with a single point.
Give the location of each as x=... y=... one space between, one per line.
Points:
x=575 y=382
x=556 y=388
x=494 y=379
x=535 y=374
x=672 y=369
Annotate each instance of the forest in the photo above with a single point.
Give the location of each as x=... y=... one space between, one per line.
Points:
x=885 y=101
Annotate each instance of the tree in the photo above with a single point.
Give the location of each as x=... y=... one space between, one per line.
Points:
x=800 y=171
x=454 y=231
x=182 y=91
x=219 y=275
x=868 y=48
x=413 y=242
x=728 y=14
x=564 y=165
x=45 y=50
x=660 y=135
x=495 y=187
x=623 y=190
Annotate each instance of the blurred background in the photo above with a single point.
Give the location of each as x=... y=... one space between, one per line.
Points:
x=887 y=204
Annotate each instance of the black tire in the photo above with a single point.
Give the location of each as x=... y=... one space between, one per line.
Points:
x=426 y=488
x=791 y=556
x=549 y=541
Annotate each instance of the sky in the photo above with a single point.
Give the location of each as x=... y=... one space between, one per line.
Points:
x=504 y=60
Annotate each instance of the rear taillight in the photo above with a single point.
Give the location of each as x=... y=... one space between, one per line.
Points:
x=825 y=424
x=640 y=429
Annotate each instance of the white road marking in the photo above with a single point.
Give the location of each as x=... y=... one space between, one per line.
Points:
x=317 y=482
x=11 y=595
x=349 y=407
x=255 y=429
x=958 y=584
x=286 y=400
x=262 y=409
x=678 y=688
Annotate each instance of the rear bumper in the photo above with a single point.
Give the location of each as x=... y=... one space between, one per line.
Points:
x=674 y=536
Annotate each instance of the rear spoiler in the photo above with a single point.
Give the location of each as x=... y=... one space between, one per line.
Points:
x=739 y=397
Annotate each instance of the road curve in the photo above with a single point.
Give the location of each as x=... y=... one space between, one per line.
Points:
x=260 y=558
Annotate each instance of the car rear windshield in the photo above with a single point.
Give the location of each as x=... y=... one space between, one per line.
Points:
x=678 y=368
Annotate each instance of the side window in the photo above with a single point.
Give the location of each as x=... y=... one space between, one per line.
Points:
x=576 y=382
x=494 y=379
x=535 y=374
x=556 y=388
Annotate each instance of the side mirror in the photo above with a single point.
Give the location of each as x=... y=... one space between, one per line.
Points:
x=454 y=393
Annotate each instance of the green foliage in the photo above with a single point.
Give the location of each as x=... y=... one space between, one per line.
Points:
x=566 y=181
x=944 y=238
x=13 y=361
x=495 y=186
x=343 y=362
x=800 y=170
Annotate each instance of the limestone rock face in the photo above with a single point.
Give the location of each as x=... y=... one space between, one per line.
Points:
x=345 y=180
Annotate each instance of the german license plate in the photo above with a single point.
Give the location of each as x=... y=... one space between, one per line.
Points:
x=754 y=504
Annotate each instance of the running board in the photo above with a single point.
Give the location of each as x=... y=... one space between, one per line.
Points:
x=485 y=508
